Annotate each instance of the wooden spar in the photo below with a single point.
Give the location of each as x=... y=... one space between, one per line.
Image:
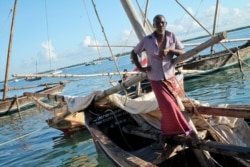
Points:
x=228 y=111
x=122 y=86
x=139 y=77
x=33 y=86
x=222 y=41
x=215 y=24
x=190 y=71
x=44 y=95
x=210 y=42
x=130 y=46
x=9 y=52
x=72 y=75
x=185 y=44
x=17 y=104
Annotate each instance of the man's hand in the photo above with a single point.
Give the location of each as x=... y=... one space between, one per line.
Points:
x=145 y=69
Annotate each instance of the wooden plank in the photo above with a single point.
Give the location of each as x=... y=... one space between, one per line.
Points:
x=72 y=75
x=45 y=95
x=208 y=43
x=227 y=110
x=215 y=147
x=225 y=149
x=33 y=86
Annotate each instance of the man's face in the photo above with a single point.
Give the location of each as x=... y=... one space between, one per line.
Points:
x=160 y=25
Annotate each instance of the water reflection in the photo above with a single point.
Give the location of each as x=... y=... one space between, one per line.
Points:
x=227 y=86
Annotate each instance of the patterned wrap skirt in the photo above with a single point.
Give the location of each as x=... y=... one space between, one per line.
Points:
x=173 y=121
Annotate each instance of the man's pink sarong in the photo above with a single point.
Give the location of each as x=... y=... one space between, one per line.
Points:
x=173 y=121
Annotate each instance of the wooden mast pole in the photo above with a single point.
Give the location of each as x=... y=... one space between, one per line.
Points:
x=9 y=52
x=134 y=20
x=215 y=24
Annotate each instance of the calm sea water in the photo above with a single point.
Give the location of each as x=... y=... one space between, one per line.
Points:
x=27 y=140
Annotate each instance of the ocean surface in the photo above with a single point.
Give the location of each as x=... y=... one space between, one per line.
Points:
x=26 y=139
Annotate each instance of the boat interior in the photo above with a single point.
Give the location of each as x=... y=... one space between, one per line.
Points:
x=142 y=140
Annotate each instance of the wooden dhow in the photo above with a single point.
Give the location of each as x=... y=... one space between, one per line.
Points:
x=200 y=65
x=127 y=130
x=15 y=104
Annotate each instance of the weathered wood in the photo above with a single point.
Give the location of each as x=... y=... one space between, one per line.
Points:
x=121 y=86
x=72 y=75
x=33 y=78
x=239 y=111
x=203 y=157
x=44 y=95
x=200 y=47
x=207 y=145
x=8 y=105
x=18 y=106
x=215 y=147
x=9 y=52
x=32 y=86
x=223 y=41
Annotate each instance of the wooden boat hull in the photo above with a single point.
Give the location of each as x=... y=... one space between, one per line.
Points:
x=12 y=105
x=69 y=124
x=33 y=78
x=204 y=64
x=117 y=135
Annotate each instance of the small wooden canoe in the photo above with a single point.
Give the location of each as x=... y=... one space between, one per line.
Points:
x=15 y=104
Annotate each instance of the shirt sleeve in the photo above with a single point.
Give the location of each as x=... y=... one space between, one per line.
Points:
x=139 y=48
x=178 y=43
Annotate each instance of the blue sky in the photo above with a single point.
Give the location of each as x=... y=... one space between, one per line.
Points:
x=57 y=33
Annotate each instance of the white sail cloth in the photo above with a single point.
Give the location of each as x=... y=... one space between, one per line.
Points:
x=78 y=103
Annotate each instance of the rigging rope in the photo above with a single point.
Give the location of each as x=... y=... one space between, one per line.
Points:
x=189 y=27
x=147 y=25
x=9 y=16
x=105 y=36
x=91 y=27
x=3 y=143
x=47 y=27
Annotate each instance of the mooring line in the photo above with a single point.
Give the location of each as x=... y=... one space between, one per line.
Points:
x=20 y=137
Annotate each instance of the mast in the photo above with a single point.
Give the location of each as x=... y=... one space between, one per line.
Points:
x=134 y=20
x=9 y=52
x=215 y=23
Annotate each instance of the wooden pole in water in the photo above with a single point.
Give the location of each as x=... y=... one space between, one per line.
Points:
x=9 y=52
x=17 y=104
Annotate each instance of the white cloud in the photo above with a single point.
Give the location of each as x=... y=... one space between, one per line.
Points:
x=88 y=41
x=228 y=18
x=48 y=51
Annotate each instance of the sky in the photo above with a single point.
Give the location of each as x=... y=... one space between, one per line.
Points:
x=51 y=34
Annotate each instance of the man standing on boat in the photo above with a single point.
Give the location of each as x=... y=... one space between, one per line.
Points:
x=161 y=46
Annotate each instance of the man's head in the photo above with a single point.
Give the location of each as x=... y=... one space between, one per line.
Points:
x=160 y=24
